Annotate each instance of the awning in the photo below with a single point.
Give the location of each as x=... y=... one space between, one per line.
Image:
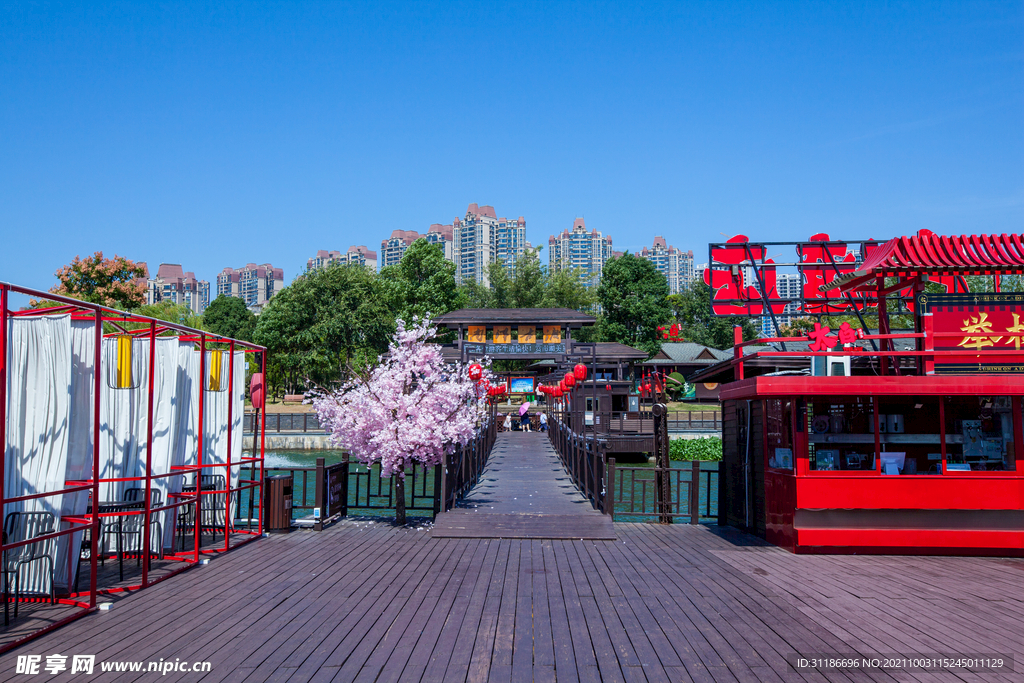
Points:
x=928 y=253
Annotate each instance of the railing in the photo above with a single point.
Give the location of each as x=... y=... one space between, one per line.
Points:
x=584 y=458
x=662 y=493
x=286 y=422
x=676 y=423
x=352 y=488
x=462 y=468
x=636 y=492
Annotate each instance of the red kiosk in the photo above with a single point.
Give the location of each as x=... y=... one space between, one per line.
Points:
x=847 y=441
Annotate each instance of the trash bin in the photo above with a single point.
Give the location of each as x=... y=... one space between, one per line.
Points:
x=277 y=503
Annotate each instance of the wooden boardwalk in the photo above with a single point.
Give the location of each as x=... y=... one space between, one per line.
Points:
x=366 y=601
x=524 y=492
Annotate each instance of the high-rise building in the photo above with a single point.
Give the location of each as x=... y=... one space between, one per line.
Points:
x=393 y=248
x=443 y=236
x=172 y=283
x=676 y=265
x=483 y=238
x=359 y=255
x=254 y=284
x=588 y=251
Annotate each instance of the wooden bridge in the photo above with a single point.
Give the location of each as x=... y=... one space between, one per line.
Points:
x=364 y=600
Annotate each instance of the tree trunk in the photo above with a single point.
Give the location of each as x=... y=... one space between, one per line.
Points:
x=400 y=495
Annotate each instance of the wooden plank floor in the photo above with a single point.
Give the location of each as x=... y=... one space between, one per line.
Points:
x=37 y=614
x=367 y=601
x=524 y=492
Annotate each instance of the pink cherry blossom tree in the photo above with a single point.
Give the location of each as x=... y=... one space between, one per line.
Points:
x=412 y=407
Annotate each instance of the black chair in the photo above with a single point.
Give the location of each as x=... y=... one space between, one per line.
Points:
x=24 y=526
x=133 y=525
x=211 y=507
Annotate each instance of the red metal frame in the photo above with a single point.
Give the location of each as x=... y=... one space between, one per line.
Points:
x=81 y=310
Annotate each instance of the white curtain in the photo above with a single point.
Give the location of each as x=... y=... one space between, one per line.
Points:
x=215 y=445
x=79 y=462
x=39 y=371
x=124 y=448
x=215 y=418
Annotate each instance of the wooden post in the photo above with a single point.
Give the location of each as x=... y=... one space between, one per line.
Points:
x=722 y=515
x=609 y=488
x=437 y=488
x=695 y=492
x=320 y=501
x=662 y=476
x=344 y=484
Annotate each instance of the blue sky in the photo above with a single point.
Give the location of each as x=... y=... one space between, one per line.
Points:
x=215 y=135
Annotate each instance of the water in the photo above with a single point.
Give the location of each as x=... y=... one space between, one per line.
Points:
x=301 y=458
x=289 y=459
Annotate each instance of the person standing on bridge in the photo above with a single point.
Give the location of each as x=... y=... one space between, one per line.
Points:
x=508 y=422
x=543 y=422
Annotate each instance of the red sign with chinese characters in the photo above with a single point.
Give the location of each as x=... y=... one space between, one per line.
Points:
x=977 y=324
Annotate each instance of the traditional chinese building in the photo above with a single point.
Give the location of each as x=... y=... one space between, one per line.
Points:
x=880 y=441
x=609 y=401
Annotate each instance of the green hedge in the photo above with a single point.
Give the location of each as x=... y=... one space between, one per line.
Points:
x=708 y=448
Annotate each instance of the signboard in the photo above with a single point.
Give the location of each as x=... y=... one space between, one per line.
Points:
x=527 y=334
x=520 y=385
x=477 y=333
x=526 y=350
x=502 y=334
x=552 y=334
x=977 y=324
x=335 y=488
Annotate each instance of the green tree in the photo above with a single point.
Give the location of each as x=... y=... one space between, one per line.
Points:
x=323 y=323
x=172 y=313
x=422 y=283
x=567 y=288
x=228 y=316
x=633 y=296
x=692 y=309
x=501 y=285
x=528 y=281
x=109 y=282
x=475 y=295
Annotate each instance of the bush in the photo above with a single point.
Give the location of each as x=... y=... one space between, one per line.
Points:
x=708 y=448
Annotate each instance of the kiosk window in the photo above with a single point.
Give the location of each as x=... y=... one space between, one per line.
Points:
x=979 y=433
x=779 y=428
x=910 y=435
x=840 y=434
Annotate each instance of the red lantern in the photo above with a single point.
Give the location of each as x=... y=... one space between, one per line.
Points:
x=476 y=371
x=557 y=392
x=256 y=390
x=561 y=385
x=580 y=371
x=570 y=379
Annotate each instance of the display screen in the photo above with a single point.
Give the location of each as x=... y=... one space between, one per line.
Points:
x=521 y=385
